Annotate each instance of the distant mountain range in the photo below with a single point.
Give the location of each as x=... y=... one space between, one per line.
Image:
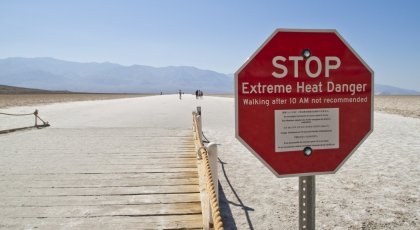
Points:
x=53 y=74
x=58 y=75
x=391 y=90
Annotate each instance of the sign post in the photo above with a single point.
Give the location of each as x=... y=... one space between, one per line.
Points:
x=304 y=103
x=306 y=202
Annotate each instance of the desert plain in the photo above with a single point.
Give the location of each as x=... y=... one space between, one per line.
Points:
x=377 y=188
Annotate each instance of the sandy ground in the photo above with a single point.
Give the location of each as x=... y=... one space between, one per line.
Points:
x=377 y=188
x=12 y=100
x=408 y=106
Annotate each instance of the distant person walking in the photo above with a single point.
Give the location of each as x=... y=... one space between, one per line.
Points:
x=198 y=94
x=180 y=95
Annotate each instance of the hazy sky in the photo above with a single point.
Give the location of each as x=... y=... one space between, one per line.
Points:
x=216 y=35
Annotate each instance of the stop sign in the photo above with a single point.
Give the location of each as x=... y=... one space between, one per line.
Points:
x=304 y=102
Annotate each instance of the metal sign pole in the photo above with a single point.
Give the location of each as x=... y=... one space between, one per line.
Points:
x=307 y=202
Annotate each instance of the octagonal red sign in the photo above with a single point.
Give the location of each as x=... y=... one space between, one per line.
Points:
x=304 y=102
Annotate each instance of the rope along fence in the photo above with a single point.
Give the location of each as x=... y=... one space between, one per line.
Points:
x=210 y=183
x=43 y=125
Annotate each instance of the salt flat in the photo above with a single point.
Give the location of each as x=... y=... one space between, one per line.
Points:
x=377 y=188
